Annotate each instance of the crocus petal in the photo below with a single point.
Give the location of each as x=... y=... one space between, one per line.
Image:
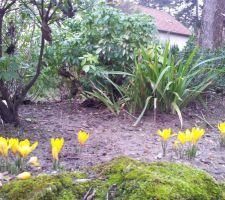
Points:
x=24 y=148
x=57 y=145
x=165 y=134
x=4 y=147
x=33 y=159
x=34 y=146
x=181 y=137
x=55 y=153
x=14 y=142
x=82 y=137
x=221 y=128
x=24 y=176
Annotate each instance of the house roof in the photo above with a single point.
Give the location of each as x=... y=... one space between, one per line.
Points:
x=164 y=21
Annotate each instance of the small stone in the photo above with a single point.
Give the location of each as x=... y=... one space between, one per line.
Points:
x=1 y=176
x=77 y=181
x=28 y=119
x=159 y=156
x=54 y=172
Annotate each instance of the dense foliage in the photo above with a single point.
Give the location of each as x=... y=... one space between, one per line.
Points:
x=105 y=32
x=116 y=59
x=98 y=39
x=110 y=56
x=166 y=82
x=20 y=67
x=216 y=56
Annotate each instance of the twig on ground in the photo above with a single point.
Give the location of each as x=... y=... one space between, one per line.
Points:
x=111 y=192
x=204 y=119
x=90 y=194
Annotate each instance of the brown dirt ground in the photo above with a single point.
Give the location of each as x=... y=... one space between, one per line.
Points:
x=112 y=136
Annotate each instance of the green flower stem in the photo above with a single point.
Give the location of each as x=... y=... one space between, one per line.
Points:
x=7 y=165
x=55 y=164
x=164 y=147
x=222 y=141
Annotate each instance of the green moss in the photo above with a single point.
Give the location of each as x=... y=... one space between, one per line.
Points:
x=134 y=180
x=66 y=195
x=41 y=187
x=137 y=180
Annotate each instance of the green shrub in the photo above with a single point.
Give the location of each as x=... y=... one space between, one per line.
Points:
x=102 y=38
x=207 y=54
x=103 y=31
x=159 y=77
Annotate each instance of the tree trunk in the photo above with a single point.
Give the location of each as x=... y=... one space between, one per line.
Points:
x=212 y=24
x=9 y=114
x=196 y=25
x=1 y=26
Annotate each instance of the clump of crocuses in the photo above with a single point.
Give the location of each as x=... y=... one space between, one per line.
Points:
x=189 y=138
x=19 y=149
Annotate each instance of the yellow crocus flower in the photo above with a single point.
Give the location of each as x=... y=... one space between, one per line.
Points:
x=221 y=127
x=181 y=137
x=165 y=133
x=24 y=176
x=14 y=143
x=189 y=135
x=82 y=137
x=197 y=133
x=57 y=145
x=24 y=148
x=4 y=147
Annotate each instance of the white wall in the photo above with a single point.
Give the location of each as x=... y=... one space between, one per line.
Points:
x=178 y=40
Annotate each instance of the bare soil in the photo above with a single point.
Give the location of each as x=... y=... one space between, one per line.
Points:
x=111 y=136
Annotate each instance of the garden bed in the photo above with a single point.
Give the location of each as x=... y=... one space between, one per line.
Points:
x=112 y=136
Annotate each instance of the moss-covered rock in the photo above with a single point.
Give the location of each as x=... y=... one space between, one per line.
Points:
x=127 y=179
x=41 y=187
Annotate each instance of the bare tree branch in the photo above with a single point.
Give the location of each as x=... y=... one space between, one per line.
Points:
x=31 y=11
x=56 y=8
x=38 y=70
x=9 y=5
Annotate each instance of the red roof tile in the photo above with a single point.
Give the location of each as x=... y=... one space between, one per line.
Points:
x=164 y=21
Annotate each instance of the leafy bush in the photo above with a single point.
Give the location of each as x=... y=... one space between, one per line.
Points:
x=104 y=34
x=159 y=77
x=108 y=33
x=207 y=54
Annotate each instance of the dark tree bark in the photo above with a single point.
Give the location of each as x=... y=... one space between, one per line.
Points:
x=1 y=25
x=9 y=112
x=212 y=24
